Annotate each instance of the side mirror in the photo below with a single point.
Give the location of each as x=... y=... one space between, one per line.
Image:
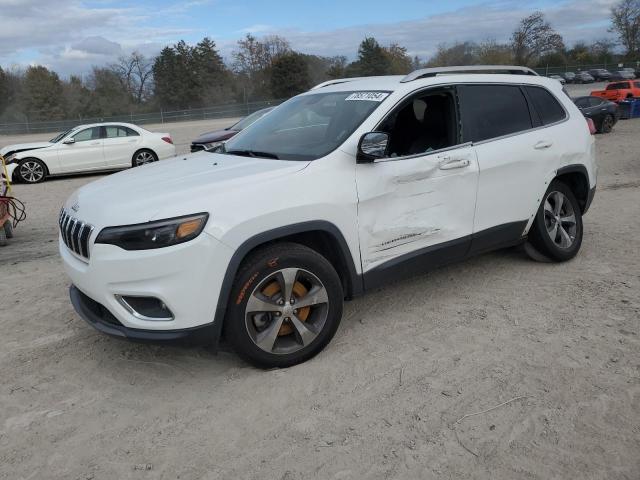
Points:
x=69 y=141
x=372 y=146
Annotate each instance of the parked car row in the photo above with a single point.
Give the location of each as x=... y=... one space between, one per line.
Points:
x=596 y=75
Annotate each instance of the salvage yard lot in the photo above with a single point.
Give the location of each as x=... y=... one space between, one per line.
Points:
x=383 y=400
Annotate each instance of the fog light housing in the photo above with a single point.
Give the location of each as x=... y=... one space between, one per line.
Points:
x=146 y=308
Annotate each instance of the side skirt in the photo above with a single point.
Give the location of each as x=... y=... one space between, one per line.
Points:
x=435 y=256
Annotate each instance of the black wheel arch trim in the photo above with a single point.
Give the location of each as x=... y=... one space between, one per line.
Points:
x=577 y=168
x=355 y=280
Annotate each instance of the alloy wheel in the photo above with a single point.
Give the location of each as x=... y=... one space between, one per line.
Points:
x=286 y=311
x=560 y=220
x=142 y=158
x=31 y=171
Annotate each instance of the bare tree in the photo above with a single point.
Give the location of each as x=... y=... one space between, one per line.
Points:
x=135 y=73
x=534 y=38
x=625 y=19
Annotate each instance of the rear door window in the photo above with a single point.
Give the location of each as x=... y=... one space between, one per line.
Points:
x=546 y=105
x=617 y=86
x=491 y=111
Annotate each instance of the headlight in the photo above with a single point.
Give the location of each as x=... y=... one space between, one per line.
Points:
x=212 y=145
x=158 y=234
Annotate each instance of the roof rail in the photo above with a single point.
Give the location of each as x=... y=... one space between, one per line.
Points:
x=336 y=81
x=434 y=72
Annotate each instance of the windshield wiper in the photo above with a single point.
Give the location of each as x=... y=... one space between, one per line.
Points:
x=252 y=153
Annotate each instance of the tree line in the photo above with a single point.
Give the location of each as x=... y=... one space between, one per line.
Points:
x=186 y=76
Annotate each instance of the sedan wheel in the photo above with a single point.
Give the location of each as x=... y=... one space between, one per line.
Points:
x=31 y=170
x=143 y=157
x=607 y=124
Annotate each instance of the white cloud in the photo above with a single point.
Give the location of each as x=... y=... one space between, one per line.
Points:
x=70 y=36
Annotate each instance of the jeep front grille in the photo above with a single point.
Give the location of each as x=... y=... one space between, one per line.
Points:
x=75 y=233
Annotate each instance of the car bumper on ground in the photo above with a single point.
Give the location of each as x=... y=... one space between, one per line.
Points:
x=185 y=278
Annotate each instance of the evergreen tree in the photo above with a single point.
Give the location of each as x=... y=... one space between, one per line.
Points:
x=289 y=75
x=42 y=94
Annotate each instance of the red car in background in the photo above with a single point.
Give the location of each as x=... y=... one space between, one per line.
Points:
x=618 y=91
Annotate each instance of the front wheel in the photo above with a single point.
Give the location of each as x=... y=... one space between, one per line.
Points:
x=285 y=306
x=557 y=228
x=31 y=170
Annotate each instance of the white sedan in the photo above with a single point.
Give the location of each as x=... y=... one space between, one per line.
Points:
x=87 y=148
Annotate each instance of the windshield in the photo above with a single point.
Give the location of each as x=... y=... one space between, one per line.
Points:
x=306 y=127
x=248 y=120
x=60 y=136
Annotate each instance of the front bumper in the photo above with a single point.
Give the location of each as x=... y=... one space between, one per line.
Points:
x=103 y=320
x=186 y=277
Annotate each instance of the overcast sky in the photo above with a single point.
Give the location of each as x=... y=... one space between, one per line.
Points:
x=70 y=36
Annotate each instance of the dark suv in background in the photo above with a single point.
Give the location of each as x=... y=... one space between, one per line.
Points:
x=211 y=140
x=583 y=77
x=600 y=74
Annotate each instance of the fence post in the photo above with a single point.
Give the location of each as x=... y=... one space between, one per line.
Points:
x=27 y=122
x=161 y=116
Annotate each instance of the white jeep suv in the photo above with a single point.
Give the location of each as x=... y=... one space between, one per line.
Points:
x=348 y=186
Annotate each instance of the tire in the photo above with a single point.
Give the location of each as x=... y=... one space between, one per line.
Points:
x=31 y=170
x=142 y=157
x=607 y=124
x=557 y=233
x=282 y=335
x=8 y=229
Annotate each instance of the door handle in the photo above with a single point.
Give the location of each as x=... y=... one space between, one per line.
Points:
x=542 y=144
x=449 y=163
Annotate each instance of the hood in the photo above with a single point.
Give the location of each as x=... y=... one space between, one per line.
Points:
x=217 y=136
x=21 y=147
x=181 y=186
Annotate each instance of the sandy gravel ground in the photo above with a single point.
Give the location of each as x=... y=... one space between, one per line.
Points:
x=388 y=396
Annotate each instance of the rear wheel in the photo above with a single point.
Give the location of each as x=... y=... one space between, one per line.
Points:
x=285 y=307
x=31 y=170
x=142 y=157
x=557 y=228
x=607 y=124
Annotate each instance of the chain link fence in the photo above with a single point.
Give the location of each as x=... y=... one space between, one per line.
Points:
x=206 y=113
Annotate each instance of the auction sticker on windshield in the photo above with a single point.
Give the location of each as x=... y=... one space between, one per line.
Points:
x=367 y=96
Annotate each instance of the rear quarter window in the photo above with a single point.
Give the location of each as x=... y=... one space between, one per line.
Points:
x=491 y=111
x=546 y=105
